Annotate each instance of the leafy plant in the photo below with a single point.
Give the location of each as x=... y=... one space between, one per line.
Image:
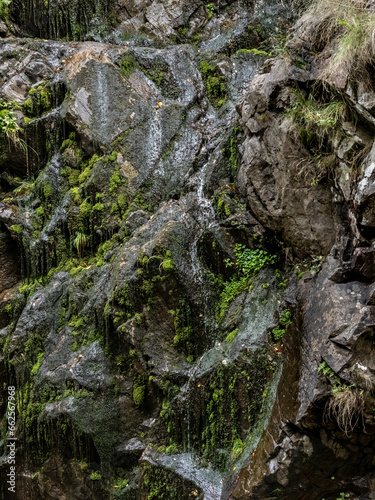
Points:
x=327 y=370
x=285 y=320
x=248 y=263
x=8 y=125
x=211 y=10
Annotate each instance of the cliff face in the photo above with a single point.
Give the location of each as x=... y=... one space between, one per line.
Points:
x=186 y=249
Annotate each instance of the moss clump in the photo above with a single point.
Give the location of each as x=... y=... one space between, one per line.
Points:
x=40 y=212
x=231 y=336
x=163 y=483
x=215 y=84
x=255 y=52
x=17 y=229
x=183 y=330
x=115 y=181
x=139 y=391
x=128 y=65
x=98 y=207
x=95 y=476
x=28 y=106
x=45 y=100
x=231 y=152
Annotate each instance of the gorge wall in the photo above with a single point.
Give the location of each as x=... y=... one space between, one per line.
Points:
x=187 y=249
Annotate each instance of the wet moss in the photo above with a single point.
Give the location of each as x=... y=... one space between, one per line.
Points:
x=215 y=84
x=128 y=65
x=163 y=483
x=227 y=405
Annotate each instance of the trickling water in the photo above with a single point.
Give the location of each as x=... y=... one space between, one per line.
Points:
x=103 y=101
x=154 y=142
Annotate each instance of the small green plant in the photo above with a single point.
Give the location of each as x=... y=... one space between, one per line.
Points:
x=8 y=124
x=250 y=262
x=95 y=476
x=312 y=266
x=171 y=449
x=121 y=483
x=327 y=371
x=83 y=465
x=247 y=264
x=79 y=243
x=210 y=9
x=285 y=320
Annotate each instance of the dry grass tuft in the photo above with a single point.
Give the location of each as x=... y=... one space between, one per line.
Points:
x=352 y=24
x=346 y=406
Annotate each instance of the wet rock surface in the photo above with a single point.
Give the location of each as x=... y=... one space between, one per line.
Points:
x=186 y=289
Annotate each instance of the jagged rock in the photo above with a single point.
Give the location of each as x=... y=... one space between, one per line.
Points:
x=10 y=272
x=364 y=197
x=364 y=262
x=128 y=329
x=127 y=455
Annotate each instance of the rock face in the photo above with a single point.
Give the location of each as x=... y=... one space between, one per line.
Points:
x=187 y=254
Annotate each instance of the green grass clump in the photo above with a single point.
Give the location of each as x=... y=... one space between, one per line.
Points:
x=311 y=113
x=122 y=483
x=351 y=24
x=315 y=122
